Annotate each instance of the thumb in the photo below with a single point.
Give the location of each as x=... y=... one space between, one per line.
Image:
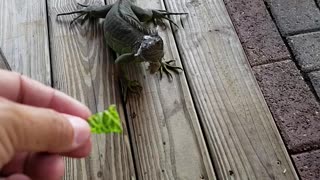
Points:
x=30 y=129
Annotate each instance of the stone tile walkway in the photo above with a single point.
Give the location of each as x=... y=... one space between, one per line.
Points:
x=282 y=41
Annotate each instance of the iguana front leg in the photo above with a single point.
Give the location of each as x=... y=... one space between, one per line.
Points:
x=128 y=85
x=89 y=13
x=156 y=16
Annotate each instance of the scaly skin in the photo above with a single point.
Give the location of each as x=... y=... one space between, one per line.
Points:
x=126 y=33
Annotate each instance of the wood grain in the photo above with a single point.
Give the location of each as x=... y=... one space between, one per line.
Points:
x=82 y=67
x=24 y=37
x=3 y=62
x=242 y=136
x=166 y=135
x=165 y=131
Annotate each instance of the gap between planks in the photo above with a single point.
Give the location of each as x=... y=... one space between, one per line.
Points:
x=24 y=38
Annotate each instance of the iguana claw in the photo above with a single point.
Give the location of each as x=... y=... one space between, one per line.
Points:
x=82 y=5
x=131 y=86
x=158 y=15
x=88 y=13
x=166 y=67
x=82 y=13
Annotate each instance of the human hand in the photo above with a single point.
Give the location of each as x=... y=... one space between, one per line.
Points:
x=38 y=125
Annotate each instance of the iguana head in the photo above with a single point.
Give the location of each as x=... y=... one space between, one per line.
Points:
x=151 y=50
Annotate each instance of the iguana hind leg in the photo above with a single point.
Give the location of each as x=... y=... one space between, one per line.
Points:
x=89 y=12
x=156 y=16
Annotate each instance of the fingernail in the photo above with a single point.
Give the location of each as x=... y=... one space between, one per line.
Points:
x=81 y=131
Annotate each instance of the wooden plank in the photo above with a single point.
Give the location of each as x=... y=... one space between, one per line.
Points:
x=24 y=37
x=242 y=136
x=168 y=142
x=82 y=68
x=3 y=62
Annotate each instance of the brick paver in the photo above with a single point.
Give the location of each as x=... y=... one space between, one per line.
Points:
x=293 y=16
x=257 y=32
x=315 y=80
x=306 y=49
x=293 y=105
x=308 y=165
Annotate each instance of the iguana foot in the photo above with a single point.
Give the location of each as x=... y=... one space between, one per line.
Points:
x=130 y=86
x=88 y=13
x=166 y=67
x=159 y=15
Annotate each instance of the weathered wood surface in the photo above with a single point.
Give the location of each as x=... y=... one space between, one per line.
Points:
x=242 y=136
x=166 y=136
x=82 y=68
x=24 y=37
x=3 y=62
x=223 y=130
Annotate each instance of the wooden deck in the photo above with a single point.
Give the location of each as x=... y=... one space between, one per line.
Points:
x=211 y=122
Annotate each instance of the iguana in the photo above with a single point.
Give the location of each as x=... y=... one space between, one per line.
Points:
x=126 y=32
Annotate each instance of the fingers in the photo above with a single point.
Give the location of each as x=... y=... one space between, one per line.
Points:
x=22 y=162
x=26 y=128
x=16 y=165
x=17 y=177
x=44 y=166
x=27 y=91
x=38 y=166
x=82 y=151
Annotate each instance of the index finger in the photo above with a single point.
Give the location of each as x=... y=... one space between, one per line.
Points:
x=22 y=89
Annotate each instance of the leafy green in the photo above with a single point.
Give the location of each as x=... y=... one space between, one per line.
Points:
x=107 y=121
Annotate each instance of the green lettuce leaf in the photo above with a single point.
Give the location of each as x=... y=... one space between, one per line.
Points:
x=107 y=121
